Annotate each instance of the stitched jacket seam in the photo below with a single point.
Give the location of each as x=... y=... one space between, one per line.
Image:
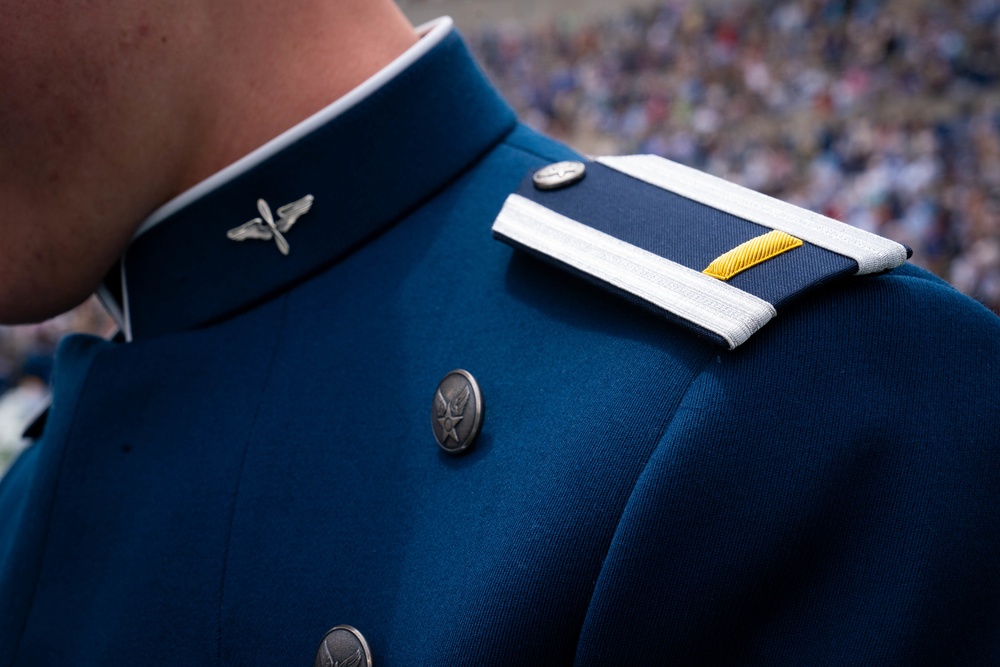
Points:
x=239 y=475
x=52 y=507
x=624 y=508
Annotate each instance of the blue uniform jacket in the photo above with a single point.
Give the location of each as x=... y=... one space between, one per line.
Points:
x=258 y=464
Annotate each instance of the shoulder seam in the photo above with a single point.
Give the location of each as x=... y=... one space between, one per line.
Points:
x=935 y=280
x=509 y=140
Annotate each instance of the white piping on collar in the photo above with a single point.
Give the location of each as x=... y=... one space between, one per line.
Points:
x=431 y=34
x=111 y=305
x=118 y=312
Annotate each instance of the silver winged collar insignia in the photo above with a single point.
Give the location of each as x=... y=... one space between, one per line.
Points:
x=266 y=228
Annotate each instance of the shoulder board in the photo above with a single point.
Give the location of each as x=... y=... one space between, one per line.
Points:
x=710 y=255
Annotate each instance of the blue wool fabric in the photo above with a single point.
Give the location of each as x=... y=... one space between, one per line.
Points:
x=258 y=465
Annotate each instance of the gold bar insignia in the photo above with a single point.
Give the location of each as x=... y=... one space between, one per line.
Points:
x=755 y=251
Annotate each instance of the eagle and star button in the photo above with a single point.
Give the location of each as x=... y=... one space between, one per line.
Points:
x=559 y=175
x=457 y=412
x=343 y=646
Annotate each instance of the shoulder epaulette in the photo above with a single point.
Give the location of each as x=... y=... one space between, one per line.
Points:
x=711 y=255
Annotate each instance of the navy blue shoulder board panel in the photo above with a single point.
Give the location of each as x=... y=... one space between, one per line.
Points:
x=705 y=253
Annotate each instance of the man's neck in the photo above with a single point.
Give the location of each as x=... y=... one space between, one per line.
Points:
x=279 y=66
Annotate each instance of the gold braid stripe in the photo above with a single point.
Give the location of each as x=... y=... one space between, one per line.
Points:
x=749 y=254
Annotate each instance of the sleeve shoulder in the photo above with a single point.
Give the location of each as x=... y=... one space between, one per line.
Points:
x=824 y=495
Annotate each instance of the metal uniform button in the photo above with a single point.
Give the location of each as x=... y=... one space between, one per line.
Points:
x=343 y=646
x=457 y=412
x=559 y=175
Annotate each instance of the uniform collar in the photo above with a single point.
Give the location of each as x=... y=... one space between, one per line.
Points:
x=366 y=160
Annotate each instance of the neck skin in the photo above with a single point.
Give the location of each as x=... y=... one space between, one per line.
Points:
x=120 y=106
x=279 y=66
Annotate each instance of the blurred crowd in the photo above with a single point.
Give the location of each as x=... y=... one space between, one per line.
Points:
x=883 y=114
x=26 y=368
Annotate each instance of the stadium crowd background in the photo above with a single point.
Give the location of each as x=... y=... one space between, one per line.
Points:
x=885 y=115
